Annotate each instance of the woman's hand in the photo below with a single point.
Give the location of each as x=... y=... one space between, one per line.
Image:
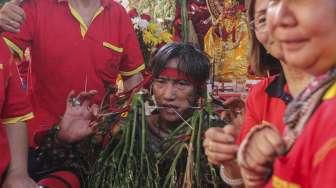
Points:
x=257 y=154
x=219 y=144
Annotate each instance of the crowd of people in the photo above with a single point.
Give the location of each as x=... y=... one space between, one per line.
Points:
x=167 y=132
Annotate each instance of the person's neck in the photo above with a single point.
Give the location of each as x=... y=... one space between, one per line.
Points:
x=84 y=3
x=297 y=80
x=86 y=9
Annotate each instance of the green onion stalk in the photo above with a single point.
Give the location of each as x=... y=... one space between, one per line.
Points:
x=133 y=158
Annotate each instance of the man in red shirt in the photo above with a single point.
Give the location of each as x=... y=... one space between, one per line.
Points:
x=75 y=45
x=15 y=110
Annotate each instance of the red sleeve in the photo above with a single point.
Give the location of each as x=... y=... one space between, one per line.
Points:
x=255 y=103
x=324 y=175
x=132 y=60
x=18 y=42
x=16 y=107
x=324 y=136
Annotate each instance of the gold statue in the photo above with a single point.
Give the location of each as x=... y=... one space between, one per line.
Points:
x=228 y=41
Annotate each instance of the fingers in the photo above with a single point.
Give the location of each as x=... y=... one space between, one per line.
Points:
x=83 y=96
x=258 y=152
x=262 y=150
x=9 y=28
x=16 y=2
x=70 y=98
x=219 y=146
x=216 y=134
x=252 y=179
x=82 y=99
x=11 y=16
x=93 y=126
x=94 y=110
x=238 y=121
x=276 y=141
x=15 y=13
x=231 y=130
x=256 y=162
x=221 y=157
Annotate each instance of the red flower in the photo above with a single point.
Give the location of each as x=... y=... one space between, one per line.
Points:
x=133 y=13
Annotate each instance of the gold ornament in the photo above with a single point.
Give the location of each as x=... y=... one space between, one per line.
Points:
x=228 y=41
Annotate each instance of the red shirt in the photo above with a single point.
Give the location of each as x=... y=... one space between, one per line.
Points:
x=266 y=101
x=312 y=160
x=14 y=104
x=65 y=53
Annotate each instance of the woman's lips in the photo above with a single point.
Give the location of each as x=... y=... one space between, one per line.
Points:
x=293 y=44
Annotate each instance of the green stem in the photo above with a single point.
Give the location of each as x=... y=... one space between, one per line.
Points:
x=198 y=149
x=172 y=169
x=128 y=135
x=143 y=135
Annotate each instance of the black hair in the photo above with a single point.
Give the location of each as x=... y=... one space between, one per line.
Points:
x=192 y=61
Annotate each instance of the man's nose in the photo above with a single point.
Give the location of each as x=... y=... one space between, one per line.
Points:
x=170 y=92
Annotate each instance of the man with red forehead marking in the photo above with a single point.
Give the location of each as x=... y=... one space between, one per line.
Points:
x=179 y=73
x=178 y=81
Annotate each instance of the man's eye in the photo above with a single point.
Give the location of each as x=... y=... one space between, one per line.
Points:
x=261 y=20
x=273 y=2
x=160 y=80
x=183 y=83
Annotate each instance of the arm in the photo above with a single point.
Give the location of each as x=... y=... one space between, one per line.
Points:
x=16 y=110
x=257 y=153
x=131 y=81
x=253 y=110
x=17 y=175
x=132 y=63
x=17 y=23
x=220 y=148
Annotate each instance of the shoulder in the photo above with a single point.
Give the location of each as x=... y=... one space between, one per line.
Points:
x=322 y=124
x=33 y=6
x=262 y=84
x=259 y=90
x=327 y=109
x=5 y=54
x=38 y=2
x=322 y=128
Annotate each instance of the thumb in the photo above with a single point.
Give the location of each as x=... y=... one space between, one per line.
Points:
x=16 y=2
x=231 y=129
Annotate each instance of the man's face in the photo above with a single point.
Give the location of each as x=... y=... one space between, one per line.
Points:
x=175 y=93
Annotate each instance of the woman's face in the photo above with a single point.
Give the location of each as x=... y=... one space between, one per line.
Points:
x=261 y=29
x=306 y=31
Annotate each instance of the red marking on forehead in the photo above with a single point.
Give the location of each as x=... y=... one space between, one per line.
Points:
x=175 y=74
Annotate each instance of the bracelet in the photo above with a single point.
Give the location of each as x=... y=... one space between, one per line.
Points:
x=229 y=181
